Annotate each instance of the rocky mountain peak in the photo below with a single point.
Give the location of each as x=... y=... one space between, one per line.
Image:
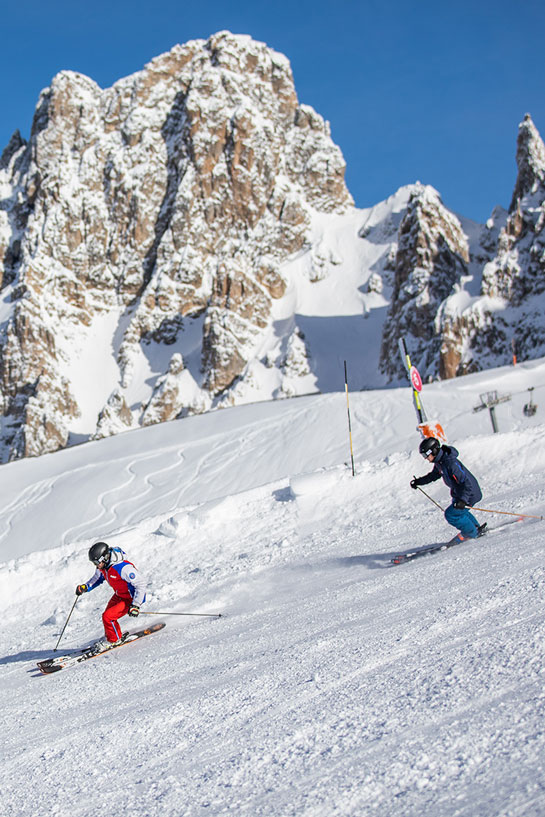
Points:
x=185 y=241
x=465 y=303
x=530 y=162
x=432 y=256
x=163 y=208
x=13 y=146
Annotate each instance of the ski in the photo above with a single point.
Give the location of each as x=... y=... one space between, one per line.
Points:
x=401 y=558
x=55 y=664
x=426 y=551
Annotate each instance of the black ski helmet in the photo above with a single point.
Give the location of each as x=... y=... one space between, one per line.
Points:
x=100 y=553
x=429 y=446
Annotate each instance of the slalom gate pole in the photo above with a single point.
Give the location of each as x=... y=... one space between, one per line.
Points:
x=152 y=613
x=507 y=513
x=349 y=423
x=64 y=628
x=437 y=505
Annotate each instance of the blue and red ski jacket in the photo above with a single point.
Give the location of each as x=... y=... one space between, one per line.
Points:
x=459 y=479
x=122 y=576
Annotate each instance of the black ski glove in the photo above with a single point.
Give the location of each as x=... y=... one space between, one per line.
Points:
x=415 y=483
x=81 y=588
x=134 y=610
x=460 y=504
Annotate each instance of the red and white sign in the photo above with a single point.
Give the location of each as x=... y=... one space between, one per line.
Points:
x=416 y=380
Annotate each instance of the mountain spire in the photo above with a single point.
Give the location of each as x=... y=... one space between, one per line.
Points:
x=530 y=161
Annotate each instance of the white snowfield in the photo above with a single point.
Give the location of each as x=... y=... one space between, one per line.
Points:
x=334 y=684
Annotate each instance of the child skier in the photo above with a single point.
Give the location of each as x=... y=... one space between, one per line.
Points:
x=129 y=590
x=464 y=488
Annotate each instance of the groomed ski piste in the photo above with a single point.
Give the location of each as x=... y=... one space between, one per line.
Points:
x=335 y=683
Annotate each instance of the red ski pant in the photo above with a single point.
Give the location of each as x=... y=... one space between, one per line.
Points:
x=116 y=608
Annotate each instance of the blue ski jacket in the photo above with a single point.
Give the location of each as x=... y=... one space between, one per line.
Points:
x=459 y=479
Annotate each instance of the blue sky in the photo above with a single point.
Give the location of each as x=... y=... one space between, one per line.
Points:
x=428 y=91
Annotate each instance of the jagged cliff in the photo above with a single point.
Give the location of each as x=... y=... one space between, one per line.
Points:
x=170 y=198
x=184 y=240
x=464 y=302
x=432 y=256
x=516 y=275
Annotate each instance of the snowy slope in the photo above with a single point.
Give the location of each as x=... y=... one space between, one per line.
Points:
x=335 y=684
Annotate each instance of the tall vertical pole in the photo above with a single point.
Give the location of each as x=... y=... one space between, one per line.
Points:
x=349 y=423
x=420 y=413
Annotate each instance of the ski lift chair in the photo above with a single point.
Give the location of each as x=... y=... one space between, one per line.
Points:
x=529 y=408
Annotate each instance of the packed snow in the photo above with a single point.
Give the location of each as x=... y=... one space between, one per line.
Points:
x=334 y=684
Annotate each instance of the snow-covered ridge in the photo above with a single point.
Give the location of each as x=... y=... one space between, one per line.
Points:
x=156 y=471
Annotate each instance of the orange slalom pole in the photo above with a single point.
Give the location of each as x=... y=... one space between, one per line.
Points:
x=507 y=513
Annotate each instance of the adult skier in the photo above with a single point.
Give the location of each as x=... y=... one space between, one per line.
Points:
x=129 y=588
x=464 y=488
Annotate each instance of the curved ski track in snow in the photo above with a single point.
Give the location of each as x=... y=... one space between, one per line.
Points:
x=335 y=685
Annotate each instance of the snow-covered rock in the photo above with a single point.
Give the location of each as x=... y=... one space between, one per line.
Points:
x=114 y=418
x=170 y=199
x=467 y=298
x=196 y=210
x=432 y=257
x=513 y=282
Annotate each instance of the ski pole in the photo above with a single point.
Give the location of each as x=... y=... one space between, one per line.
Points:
x=508 y=513
x=152 y=613
x=437 y=505
x=349 y=422
x=64 y=628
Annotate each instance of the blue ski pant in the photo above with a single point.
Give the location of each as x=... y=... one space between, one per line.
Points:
x=463 y=520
